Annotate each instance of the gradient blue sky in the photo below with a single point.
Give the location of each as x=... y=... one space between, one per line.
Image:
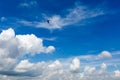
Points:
x=77 y=27
x=87 y=36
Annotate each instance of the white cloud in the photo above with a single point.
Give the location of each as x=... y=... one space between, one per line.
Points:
x=103 y=66
x=28 y=4
x=2 y=19
x=104 y=54
x=55 y=64
x=32 y=44
x=55 y=23
x=117 y=73
x=75 y=16
x=59 y=70
x=13 y=47
x=50 y=49
x=23 y=66
x=89 y=69
x=75 y=66
x=56 y=70
x=49 y=39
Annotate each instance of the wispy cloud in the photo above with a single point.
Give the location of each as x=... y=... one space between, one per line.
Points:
x=29 y=4
x=75 y=16
x=49 y=39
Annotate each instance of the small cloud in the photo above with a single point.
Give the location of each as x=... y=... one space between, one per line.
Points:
x=50 y=39
x=2 y=19
x=117 y=73
x=28 y=4
x=75 y=66
x=50 y=49
x=89 y=70
x=55 y=64
x=103 y=66
x=104 y=54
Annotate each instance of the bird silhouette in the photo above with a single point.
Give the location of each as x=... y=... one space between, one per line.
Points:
x=48 y=21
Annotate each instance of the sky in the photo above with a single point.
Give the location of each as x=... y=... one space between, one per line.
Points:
x=80 y=42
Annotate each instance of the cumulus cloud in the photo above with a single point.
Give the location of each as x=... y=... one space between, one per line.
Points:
x=104 y=54
x=117 y=73
x=23 y=66
x=50 y=49
x=88 y=69
x=32 y=44
x=57 y=70
x=103 y=66
x=75 y=66
x=55 y=64
x=13 y=47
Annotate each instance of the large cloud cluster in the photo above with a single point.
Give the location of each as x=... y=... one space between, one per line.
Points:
x=61 y=70
x=87 y=67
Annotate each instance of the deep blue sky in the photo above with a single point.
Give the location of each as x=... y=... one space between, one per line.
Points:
x=95 y=35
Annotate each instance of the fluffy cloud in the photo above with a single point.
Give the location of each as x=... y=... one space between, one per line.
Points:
x=23 y=66
x=13 y=47
x=89 y=69
x=103 y=66
x=55 y=64
x=50 y=49
x=104 y=54
x=75 y=66
x=12 y=67
x=32 y=44
x=59 y=70
x=117 y=73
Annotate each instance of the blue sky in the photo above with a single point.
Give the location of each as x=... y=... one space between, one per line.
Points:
x=79 y=32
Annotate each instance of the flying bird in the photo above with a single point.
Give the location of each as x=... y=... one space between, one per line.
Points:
x=48 y=21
